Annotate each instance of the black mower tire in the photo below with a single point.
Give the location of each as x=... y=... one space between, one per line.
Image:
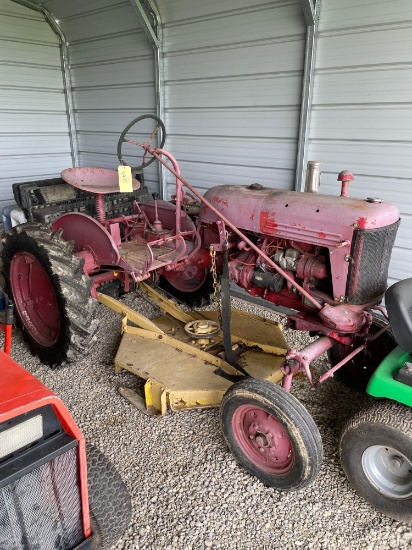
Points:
x=358 y=371
x=75 y=315
x=376 y=455
x=109 y=501
x=306 y=449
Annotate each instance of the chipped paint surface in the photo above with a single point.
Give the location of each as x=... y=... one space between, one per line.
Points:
x=219 y=200
x=267 y=222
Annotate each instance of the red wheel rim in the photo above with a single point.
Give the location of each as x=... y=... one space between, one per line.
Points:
x=188 y=280
x=34 y=298
x=263 y=439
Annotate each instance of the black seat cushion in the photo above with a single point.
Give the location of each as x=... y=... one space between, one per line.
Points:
x=398 y=299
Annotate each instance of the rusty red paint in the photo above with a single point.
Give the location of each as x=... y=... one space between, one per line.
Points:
x=322 y=235
x=219 y=200
x=267 y=222
x=362 y=222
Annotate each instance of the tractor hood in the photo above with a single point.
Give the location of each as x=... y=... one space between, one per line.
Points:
x=311 y=217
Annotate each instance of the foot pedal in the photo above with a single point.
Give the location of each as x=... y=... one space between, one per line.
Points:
x=404 y=375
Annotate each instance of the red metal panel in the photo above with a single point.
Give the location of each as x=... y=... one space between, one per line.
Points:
x=308 y=217
x=88 y=234
x=21 y=392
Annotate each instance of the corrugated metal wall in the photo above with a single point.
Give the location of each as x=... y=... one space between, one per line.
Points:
x=233 y=76
x=112 y=75
x=233 y=73
x=34 y=139
x=362 y=109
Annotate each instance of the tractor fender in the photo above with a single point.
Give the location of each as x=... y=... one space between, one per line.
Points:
x=382 y=382
x=88 y=234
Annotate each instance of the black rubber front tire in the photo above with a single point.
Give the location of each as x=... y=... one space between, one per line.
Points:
x=74 y=314
x=280 y=420
x=376 y=454
x=109 y=500
x=356 y=373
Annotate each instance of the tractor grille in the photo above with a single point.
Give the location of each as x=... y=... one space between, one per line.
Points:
x=42 y=509
x=371 y=253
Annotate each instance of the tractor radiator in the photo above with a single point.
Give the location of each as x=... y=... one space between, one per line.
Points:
x=371 y=253
x=40 y=506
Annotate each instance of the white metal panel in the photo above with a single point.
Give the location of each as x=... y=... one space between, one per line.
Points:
x=245 y=62
x=362 y=111
x=230 y=30
x=355 y=13
x=233 y=73
x=34 y=140
x=181 y=10
x=62 y=10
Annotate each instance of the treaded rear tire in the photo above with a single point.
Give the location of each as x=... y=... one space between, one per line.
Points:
x=386 y=426
x=76 y=320
x=109 y=500
x=295 y=426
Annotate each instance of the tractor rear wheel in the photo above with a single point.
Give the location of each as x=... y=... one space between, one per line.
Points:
x=51 y=294
x=109 y=500
x=271 y=434
x=192 y=286
x=376 y=454
x=357 y=372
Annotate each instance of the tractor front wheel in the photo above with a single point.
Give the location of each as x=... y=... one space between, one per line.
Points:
x=271 y=434
x=51 y=294
x=376 y=454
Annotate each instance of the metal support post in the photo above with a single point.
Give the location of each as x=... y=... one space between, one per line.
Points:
x=311 y=14
x=149 y=16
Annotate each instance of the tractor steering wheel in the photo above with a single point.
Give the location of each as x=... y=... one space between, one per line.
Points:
x=122 y=139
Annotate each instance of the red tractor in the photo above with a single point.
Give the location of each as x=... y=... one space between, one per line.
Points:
x=325 y=257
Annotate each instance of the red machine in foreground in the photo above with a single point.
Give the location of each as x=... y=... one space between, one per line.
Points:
x=51 y=496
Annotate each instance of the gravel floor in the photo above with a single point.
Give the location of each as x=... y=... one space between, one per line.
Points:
x=187 y=490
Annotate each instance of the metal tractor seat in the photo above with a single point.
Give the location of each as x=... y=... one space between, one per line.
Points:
x=95 y=180
x=45 y=201
x=398 y=299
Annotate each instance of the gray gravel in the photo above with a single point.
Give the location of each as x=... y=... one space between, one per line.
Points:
x=187 y=490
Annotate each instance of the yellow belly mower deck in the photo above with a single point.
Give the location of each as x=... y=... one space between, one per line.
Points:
x=180 y=368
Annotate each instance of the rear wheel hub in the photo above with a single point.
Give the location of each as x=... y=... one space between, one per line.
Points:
x=35 y=298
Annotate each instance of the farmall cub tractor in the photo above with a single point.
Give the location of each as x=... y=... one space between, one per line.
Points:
x=326 y=257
